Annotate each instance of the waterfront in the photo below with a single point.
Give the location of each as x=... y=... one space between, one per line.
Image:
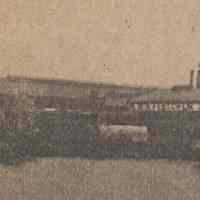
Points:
x=113 y=179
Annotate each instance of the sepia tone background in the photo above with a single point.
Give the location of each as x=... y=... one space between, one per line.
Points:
x=128 y=42
x=149 y=43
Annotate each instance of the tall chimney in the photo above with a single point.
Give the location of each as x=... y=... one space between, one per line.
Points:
x=192 y=78
x=198 y=79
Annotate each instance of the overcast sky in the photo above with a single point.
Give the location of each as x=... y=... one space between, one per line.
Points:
x=142 y=42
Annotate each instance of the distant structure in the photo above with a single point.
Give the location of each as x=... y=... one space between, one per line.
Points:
x=194 y=81
x=195 y=78
x=198 y=77
x=192 y=78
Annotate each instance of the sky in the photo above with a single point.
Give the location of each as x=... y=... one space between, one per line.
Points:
x=137 y=42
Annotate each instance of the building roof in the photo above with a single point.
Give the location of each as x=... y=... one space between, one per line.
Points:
x=65 y=82
x=65 y=88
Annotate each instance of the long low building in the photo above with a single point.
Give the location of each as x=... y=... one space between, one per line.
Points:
x=66 y=93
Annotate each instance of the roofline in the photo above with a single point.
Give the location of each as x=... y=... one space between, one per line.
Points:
x=77 y=82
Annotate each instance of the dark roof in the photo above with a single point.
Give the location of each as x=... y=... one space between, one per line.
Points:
x=73 y=82
x=167 y=95
x=66 y=88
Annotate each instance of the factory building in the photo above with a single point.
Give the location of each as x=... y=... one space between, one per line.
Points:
x=65 y=94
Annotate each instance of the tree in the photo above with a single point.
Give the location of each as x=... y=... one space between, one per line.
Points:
x=17 y=115
x=18 y=130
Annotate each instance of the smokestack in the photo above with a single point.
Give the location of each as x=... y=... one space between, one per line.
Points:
x=198 y=79
x=192 y=78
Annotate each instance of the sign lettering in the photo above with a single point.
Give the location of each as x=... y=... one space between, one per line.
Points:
x=166 y=107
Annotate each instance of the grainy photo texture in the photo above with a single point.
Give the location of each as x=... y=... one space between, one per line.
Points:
x=100 y=99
